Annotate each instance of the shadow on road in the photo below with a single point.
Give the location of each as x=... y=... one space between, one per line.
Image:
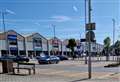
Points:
x=80 y=80
x=19 y=74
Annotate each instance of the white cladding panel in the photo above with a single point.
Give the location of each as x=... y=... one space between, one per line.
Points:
x=59 y=47
x=63 y=48
x=2 y=45
x=44 y=47
x=29 y=45
x=20 y=45
x=0 y=54
x=50 y=47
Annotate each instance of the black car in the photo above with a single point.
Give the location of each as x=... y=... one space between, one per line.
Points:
x=21 y=59
x=62 y=57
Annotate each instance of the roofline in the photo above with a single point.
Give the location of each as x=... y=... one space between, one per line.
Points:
x=13 y=31
x=34 y=34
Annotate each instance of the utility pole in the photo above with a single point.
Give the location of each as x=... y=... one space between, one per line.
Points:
x=89 y=50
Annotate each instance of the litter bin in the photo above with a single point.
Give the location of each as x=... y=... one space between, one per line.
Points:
x=7 y=66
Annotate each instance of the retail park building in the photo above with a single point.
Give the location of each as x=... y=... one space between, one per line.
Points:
x=33 y=44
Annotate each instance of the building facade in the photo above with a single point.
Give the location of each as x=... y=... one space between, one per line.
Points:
x=35 y=44
x=12 y=43
x=55 y=46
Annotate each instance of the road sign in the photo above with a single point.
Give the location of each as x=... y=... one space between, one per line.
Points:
x=90 y=36
x=90 y=26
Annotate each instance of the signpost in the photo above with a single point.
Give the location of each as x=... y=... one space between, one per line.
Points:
x=90 y=26
x=90 y=36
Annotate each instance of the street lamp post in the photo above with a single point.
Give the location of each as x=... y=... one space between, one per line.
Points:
x=54 y=35
x=3 y=13
x=113 y=37
x=4 y=30
x=6 y=64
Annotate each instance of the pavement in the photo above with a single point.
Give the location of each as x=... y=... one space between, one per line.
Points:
x=66 y=71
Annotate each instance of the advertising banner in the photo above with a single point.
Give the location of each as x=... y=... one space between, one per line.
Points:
x=12 y=42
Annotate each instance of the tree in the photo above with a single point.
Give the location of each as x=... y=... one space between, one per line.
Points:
x=107 y=42
x=117 y=44
x=71 y=45
x=117 y=49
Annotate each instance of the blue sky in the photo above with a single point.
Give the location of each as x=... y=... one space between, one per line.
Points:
x=28 y=16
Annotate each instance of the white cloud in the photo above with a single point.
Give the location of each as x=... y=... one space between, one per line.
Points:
x=9 y=11
x=61 y=18
x=75 y=8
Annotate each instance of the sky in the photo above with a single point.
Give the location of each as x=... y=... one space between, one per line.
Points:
x=68 y=17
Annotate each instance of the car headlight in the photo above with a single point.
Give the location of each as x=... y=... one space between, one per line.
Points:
x=48 y=59
x=58 y=58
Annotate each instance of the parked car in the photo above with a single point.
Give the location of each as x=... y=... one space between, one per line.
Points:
x=62 y=57
x=54 y=59
x=46 y=59
x=21 y=59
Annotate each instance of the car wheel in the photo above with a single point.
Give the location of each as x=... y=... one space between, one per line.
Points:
x=49 y=62
x=27 y=61
x=39 y=62
x=52 y=62
x=57 y=62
